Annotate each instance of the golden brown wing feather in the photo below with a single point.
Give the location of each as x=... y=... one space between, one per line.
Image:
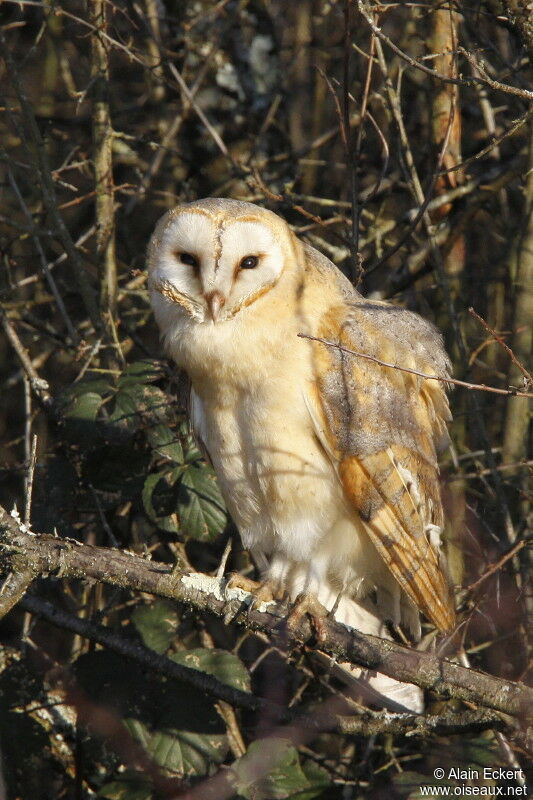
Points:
x=384 y=427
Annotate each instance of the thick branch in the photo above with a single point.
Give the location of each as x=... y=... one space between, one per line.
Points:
x=321 y=719
x=21 y=550
x=149 y=658
x=370 y=724
x=13 y=590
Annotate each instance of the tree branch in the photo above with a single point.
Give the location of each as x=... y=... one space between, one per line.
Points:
x=20 y=550
x=103 y=173
x=484 y=80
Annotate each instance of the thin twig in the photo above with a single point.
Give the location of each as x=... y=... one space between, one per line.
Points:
x=478 y=386
x=29 y=480
x=486 y=81
x=423 y=198
x=39 y=386
x=527 y=375
x=45 y=267
x=151 y=660
x=163 y=148
x=496 y=141
x=194 y=105
x=497 y=565
x=320 y=719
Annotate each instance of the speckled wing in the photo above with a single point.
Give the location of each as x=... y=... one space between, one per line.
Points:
x=383 y=428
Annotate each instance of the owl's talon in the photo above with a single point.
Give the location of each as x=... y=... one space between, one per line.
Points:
x=262 y=592
x=307 y=603
x=238 y=581
x=230 y=614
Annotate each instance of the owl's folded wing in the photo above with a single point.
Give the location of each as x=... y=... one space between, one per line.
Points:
x=383 y=428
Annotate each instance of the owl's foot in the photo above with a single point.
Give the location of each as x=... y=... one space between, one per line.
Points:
x=307 y=603
x=262 y=592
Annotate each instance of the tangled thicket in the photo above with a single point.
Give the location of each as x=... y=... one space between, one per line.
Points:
x=397 y=138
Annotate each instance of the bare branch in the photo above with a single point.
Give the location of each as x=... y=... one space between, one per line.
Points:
x=14 y=588
x=20 y=550
x=501 y=342
x=103 y=171
x=38 y=385
x=486 y=81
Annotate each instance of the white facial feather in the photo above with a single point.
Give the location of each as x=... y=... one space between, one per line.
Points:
x=241 y=239
x=188 y=233
x=218 y=246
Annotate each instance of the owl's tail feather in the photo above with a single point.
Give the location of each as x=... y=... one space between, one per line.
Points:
x=375 y=689
x=370 y=686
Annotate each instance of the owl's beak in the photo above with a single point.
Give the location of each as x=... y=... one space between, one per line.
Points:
x=215 y=301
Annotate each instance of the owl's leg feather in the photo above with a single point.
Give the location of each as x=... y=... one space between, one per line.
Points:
x=307 y=603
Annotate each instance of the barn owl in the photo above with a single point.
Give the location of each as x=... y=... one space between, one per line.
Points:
x=327 y=461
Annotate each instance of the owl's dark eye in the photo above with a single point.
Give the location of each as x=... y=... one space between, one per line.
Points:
x=249 y=262
x=188 y=258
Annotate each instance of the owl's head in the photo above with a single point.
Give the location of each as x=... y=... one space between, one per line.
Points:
x=213 y=258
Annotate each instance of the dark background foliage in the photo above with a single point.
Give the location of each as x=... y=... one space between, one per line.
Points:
x=421 y=190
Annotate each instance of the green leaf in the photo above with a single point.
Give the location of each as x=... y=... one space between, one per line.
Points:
x=125 y=415
x=151 y=401
x=117 y=472
x=409 y=784
x=159 y=500
x=130 y=786
x=146 y=370
x=156 y=622
x=179 y=751
x=165 y=442
x=190 y=448
x=223 y=665
x=281 y=774
x=319 y=780
x=84 y=407
x=102 y=385
x=176 y=724
x=478 y=751
x=137 y=406
x=82 y=423
x=201 y=508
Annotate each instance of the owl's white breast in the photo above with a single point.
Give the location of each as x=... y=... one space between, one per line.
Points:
x=250 y=408
x=251 y=414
